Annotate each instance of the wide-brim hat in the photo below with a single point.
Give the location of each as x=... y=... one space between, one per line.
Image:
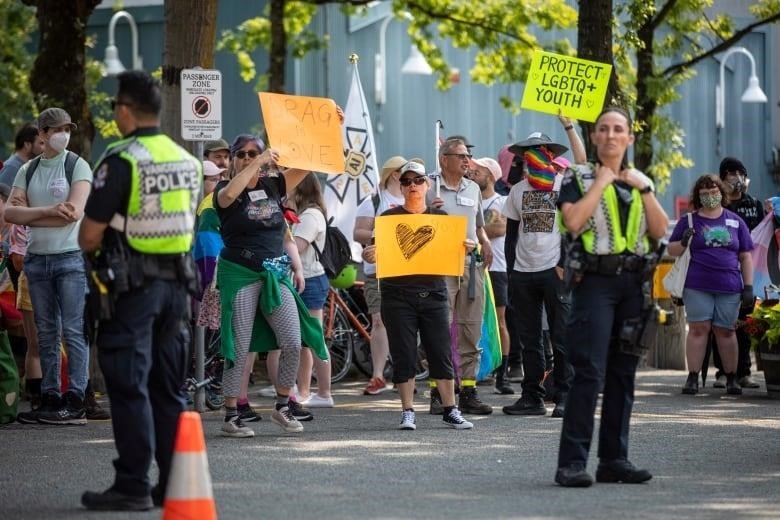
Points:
x=391 y=165
x=537 y=140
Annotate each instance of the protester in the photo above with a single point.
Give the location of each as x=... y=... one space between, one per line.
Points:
x=417 y=304
x=718 y=281
x=27 y=144
x=51 y=203
x=148 y=293
x=612 y=211
x=217 y=152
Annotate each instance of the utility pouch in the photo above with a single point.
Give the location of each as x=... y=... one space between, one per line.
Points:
x=574 y=265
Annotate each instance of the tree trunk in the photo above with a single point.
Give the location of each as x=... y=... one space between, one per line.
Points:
x=190 y=34
x=58 y=74
x=278 y=55
x=646 y=104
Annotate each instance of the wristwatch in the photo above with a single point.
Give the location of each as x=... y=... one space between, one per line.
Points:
x=647 y=189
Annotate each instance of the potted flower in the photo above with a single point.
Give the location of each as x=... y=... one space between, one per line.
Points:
x=763 y=328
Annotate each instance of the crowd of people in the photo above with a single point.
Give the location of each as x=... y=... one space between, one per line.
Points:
x=567 y=246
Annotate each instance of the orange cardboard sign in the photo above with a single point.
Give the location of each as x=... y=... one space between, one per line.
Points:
x=306 y=131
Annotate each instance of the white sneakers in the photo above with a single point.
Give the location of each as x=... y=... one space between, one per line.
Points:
x=316 y=401
x=407 y=420
x=233 y=427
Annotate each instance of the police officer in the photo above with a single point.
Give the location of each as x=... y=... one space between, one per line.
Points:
x=612 y=211
x=138 y=224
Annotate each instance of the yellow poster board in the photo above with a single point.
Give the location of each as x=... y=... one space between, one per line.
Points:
x=305 y=130
x=420 y=244
x=573 y=87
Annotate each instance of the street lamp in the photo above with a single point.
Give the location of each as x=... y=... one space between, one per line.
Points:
x=414 y=64
x=753 y=94
x=111 y=61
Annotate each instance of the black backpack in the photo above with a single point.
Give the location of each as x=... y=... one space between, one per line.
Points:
x=70 y=165
x=336 y=254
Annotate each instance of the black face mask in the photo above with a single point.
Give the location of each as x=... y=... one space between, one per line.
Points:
x=515 y=172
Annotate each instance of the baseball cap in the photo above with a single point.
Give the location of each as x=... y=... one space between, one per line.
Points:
x=211 y=170
x=562 y=161
x=490 y=164
x=460 y=138
x=391 y=165
x=413 y=167
x=54 y=117
x=538 y=139
x=219 y=144
x=731 y=164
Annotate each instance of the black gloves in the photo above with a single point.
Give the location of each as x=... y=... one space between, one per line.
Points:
x=686 y=237
x=747 y=296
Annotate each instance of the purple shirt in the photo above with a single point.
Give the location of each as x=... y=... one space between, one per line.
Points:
x=715 y=248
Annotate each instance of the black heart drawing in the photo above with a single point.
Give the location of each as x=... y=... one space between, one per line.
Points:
x=412 y=241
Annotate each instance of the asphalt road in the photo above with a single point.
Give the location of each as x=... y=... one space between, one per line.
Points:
x=712 y=457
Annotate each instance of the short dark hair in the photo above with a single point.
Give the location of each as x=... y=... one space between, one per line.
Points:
x=706 y=182
x=140 y=91
x=26 y=134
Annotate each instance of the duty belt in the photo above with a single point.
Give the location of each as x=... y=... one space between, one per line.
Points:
x=613 y=264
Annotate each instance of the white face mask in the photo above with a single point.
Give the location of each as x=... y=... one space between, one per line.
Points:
x=59 y=141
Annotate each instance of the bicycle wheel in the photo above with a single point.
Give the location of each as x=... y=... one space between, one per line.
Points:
x=340 y=345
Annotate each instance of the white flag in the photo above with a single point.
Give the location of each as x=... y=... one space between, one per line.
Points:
x=344 y=193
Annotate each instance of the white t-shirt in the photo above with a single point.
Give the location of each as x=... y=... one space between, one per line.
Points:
x=311 y=228
x=538 y=238
x=496 y=203
x=366 y=209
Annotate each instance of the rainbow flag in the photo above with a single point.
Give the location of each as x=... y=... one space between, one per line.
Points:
x=489 y=340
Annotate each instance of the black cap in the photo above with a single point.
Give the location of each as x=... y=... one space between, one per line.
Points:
x=731 y=164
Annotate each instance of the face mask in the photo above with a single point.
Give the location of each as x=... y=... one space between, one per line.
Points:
x=711 y=201
x=541 y=175
x=59 y=141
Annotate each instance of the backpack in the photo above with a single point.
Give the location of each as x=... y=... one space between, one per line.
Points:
x=70 y=165
x=336 y=254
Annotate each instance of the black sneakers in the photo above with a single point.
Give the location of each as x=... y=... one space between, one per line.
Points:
x=94 y=411
x=247 y=413
x=111 y=500
x=526 y=406
x=573 y=476
x=71 y=411
x=470 y=403
x=621 y=470
x=299 y=412
x=50 y=403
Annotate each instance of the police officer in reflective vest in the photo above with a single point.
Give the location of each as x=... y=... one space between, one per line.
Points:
x=613 y=213
x=138 y=229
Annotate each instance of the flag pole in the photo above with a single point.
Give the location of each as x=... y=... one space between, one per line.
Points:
x=439 y=126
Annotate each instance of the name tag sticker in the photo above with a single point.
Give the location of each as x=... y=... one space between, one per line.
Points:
x=730 y=222
x=256 y=195
x=465 y=201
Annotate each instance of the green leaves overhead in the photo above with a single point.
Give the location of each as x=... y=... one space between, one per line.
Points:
x=17 y=23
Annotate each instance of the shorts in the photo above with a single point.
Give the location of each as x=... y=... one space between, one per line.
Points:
x=722 y=309
x=315 y=292
x=500 y=282
x=371 y=294
x=23 y=302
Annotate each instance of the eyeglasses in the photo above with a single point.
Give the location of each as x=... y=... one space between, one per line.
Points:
x=418 y=181
x=461 y=156
x=249 y=153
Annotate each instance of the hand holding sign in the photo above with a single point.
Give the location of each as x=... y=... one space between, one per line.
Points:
x=305 y=130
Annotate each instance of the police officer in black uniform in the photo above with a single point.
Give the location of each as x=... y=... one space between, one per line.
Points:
x=613 y=213
x=138 y=229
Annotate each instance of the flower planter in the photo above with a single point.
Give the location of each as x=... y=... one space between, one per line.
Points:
x=770 y=364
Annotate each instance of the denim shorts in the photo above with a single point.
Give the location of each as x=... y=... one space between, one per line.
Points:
x=316 y=292
x=722 y=309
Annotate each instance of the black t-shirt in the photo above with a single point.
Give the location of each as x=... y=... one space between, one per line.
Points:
x=750 y=209
x=570 y=192
x=253 y=226
x=415 y=282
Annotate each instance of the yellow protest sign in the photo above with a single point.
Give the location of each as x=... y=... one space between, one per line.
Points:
x=420 y=244
x=571 y=86
x=305 y=130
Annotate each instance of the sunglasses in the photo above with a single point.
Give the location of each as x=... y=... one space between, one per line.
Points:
x=251 y=154
x=460 y=156
x=418 y=181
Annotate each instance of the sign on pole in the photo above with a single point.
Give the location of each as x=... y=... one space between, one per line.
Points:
x=201 y=104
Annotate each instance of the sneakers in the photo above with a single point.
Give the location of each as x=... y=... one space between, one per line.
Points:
x=299 y=412
x=454 y=419
x=732 y=388
x=437 y=408
x=525 y=406
x=50 y=403
x=621 y=470
x=470 y=403
x=720 y=381
x=407 y=420
x=515 y=374
x=94 y=411
x=247 y=413
x=691 y=386
x=573 y=476
x=234 y=427
x=376 y=386
x=71 y=411
x=111 y=500
x=284 y=418
x=748 y=382
x=315 y=401
x=559 y=409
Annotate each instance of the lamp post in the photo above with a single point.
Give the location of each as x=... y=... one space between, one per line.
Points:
x=414 y=64
x=753 y=94
x=111 y=61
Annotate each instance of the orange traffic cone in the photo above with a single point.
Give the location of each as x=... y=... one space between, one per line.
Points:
x=189 y=492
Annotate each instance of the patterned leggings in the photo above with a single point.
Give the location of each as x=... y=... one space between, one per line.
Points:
x=284 y=321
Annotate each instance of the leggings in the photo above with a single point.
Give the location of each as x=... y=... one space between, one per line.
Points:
x=285 y=324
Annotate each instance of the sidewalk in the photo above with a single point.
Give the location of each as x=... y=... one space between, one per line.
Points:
x=712 y=457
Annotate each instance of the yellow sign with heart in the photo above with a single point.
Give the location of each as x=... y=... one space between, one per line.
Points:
x=420 y=244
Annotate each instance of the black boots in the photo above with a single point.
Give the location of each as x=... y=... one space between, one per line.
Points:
x=691 y=386
x=732 y=388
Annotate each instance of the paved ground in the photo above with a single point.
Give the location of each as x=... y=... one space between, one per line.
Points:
x=712 y=457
